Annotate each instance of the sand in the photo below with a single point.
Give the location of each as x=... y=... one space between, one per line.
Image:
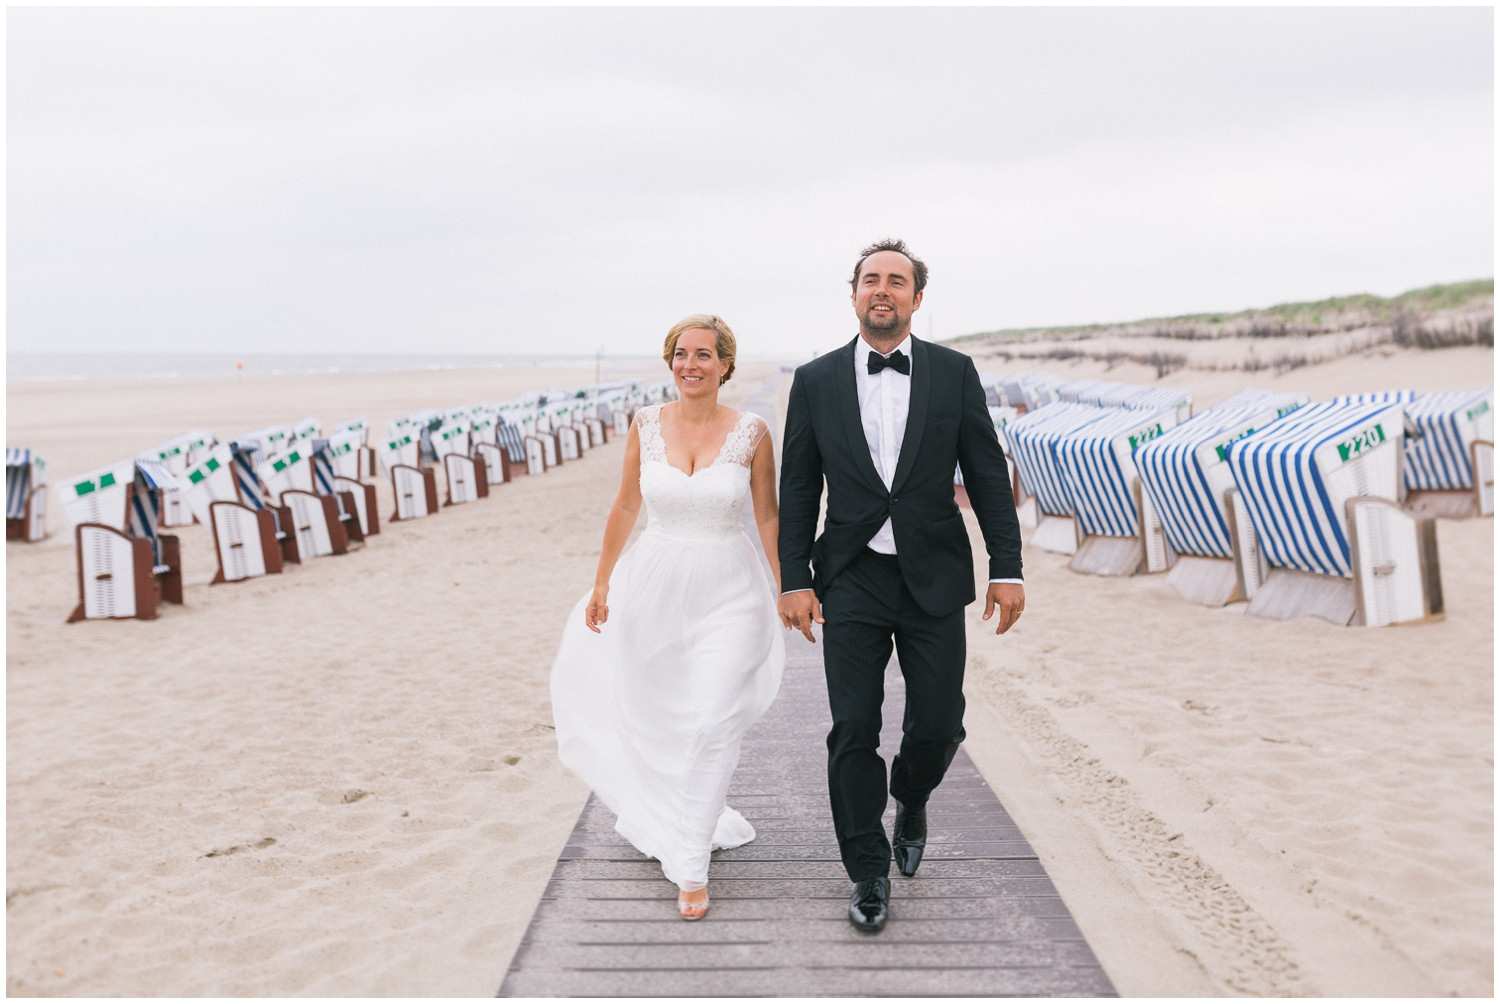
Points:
x=343 y=781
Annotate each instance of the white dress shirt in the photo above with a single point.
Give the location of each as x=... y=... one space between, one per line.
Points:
x=884 y=402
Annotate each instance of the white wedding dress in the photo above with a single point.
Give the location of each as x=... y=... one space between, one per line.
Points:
x=650 y=712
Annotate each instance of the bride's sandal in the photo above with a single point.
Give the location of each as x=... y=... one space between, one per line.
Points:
x=692 y=909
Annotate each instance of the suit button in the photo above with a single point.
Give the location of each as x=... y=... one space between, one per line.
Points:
x=894 y=500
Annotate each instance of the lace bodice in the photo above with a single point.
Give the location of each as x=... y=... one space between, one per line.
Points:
x=707 y=504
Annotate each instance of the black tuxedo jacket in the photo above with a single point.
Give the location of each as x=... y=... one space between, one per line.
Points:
x=948 y=424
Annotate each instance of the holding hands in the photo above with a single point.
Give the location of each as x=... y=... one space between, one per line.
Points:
x=799 y=610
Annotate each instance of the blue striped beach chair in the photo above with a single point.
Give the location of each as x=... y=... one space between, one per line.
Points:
x=994 y=390
x=511 y=439
x=1454 y=438
x=126 y=566
x=247 y=458
x=1000 y=415
x=1033 y=439
x=1293 y=480
x=353 y=501
x=1116 y=529
x=25 y=495
x=1028 y=391
x=1185 y=478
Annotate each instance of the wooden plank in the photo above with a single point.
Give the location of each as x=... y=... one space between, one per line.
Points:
x=981 y=918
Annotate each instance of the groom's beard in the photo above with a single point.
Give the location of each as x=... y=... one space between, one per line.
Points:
x=888 y=325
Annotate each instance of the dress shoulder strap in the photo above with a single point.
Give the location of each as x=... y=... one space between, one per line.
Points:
x=740 y=444
x=648 y=423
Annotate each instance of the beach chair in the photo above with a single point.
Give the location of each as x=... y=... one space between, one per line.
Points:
x=1032 y=438
x=518 y=451
x=126 y=566
x=1482 y=458
x=1028 y=391
x=304 y=431
x=245 y=536
x=1395 y=565
x=1439 y=465
x=178 y=453
x=416 y=492
x=246 y=459
x=999 y=416
x=466 y=478
x=1116 y=535
x=539 y=428
x=450 y=437
x=354 y=502
x=25 y=495
x=1185 y=474
x=336 y=462
x=414 y=486
x=317 y=520
x=1294 y=478
x=569 y=442
x=358 y=463
x=269 y=440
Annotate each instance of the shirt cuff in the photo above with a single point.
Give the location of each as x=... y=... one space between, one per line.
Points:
x=791 y=591
x=1016 y=581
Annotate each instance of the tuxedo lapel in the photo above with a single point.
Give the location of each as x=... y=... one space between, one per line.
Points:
x=916 y=415
x=848 y=393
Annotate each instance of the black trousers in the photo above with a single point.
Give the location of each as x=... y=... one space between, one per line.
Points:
x=865 y=609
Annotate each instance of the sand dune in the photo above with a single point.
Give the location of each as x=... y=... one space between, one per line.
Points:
x=342 y=780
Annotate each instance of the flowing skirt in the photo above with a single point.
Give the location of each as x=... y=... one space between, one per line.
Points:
x=651 y=711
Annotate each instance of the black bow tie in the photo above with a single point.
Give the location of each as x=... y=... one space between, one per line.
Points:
x=896 y=360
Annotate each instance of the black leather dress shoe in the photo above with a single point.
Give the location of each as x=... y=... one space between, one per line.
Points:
x=871 y=904
x=909 y=838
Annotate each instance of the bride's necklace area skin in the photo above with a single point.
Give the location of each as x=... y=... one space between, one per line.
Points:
x=695 y=443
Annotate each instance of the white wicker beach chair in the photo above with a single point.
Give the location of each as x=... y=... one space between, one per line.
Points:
x=25 y=495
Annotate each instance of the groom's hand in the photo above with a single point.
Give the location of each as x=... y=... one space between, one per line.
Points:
x=1010 y=597
x=799 y=609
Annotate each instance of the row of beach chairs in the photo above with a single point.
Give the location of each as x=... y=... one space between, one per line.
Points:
x=1300 y=508
x=286 y=494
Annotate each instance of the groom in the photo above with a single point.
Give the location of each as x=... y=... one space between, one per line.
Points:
x=884 y=420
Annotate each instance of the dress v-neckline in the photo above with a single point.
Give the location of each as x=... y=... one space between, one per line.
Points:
x=717 y=454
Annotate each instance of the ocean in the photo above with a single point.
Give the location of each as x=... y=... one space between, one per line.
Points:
x=31 y=366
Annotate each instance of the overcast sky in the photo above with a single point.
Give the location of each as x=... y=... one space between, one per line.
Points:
x=557 y=180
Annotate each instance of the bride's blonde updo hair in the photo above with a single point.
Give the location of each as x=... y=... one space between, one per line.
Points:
x=723 y=339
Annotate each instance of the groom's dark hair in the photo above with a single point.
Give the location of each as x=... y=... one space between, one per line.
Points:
x=918 y=267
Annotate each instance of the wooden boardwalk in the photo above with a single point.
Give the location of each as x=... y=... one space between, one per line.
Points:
x=980 y=918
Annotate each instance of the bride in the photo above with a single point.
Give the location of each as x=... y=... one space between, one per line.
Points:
x=652 y=695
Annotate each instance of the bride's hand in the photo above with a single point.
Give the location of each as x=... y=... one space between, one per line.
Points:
x=598 y=609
